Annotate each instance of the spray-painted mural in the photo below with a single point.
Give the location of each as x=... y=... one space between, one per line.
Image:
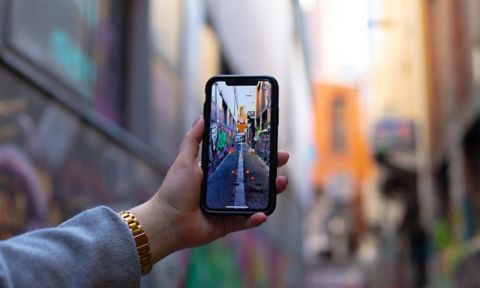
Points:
x=79 y=43
x=53 y=166
x=243 y=259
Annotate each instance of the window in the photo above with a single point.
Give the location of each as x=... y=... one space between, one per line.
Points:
x=339 y=128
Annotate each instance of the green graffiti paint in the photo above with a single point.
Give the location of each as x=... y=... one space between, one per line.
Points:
x=213 y=265
x=222 y=140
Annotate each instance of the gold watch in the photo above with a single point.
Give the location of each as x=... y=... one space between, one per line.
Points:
x=141 y=241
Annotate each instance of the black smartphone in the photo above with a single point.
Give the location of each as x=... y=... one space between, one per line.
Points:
x=239 y=150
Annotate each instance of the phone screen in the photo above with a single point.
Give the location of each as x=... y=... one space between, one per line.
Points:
x=239 y=146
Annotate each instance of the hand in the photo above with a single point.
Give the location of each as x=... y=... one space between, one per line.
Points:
x=172 y=218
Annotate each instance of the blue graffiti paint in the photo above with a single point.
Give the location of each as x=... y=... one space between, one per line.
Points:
x=89 y=9
x=72 y=60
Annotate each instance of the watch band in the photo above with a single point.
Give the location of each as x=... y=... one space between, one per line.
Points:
x=141 y=241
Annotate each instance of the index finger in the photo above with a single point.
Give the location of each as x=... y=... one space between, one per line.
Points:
x=282 y=158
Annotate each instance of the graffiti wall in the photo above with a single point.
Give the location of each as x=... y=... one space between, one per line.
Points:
x=262 y=146
x=79 y=43
x=52 y=165
x=222 y=135
x=243 y=259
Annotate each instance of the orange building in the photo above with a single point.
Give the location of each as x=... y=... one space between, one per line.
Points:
x=343 y=160
x=242 y=119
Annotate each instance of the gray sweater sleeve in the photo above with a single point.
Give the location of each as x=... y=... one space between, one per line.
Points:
x=93 y=249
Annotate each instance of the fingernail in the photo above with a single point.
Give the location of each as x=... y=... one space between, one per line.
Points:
x=196 y=121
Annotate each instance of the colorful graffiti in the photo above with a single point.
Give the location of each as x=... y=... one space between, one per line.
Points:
x=82 y=49
x=53 y=166
x=243 y=259
x=23 y=203
x=73 y=60
x=457 y=265
x=223 y=142
x=262 y=146
x=454 y=263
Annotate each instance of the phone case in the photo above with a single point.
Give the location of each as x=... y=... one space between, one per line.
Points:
x=240 y=139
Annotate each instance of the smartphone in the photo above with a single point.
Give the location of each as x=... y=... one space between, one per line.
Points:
x=239 y=150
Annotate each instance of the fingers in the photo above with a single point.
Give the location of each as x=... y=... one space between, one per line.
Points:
x=242 y=223
x=281 y=183
x=257 y=219
x=282 y=158
x=190 y=145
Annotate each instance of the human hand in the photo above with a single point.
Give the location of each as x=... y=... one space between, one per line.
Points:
x=172 y=218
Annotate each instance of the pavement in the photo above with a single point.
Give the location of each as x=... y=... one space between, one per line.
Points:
x=240 y=180
x=221 y=182
x=256 y=180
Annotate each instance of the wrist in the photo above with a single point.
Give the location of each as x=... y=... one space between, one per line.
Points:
x=157 y=227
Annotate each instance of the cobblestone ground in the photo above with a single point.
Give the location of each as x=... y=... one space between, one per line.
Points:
x=256 y=180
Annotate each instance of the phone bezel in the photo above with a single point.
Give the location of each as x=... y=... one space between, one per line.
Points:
x=241 y=80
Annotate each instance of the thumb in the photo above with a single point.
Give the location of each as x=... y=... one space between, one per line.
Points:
x=191 y=141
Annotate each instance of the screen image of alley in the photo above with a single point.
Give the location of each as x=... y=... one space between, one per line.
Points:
x=239 y=148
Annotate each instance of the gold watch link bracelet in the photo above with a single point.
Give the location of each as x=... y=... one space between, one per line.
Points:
x=141 y=241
